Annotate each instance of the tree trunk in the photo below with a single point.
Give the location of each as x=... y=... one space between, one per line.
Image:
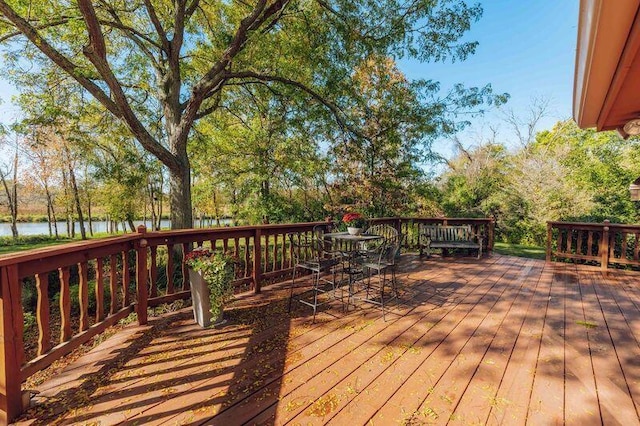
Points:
x=216 y=208
x=76 y=197
x=180 y=196
x=132 y=225
x=49 y=219
x=12 y=195
x=89 y=215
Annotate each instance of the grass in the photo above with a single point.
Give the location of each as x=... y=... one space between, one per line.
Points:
x=532 y=252
x=27 y=242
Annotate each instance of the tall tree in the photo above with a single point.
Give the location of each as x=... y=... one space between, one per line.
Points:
x=148 y=59
x=9 y=179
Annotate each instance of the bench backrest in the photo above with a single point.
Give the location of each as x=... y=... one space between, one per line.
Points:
x=448 y=233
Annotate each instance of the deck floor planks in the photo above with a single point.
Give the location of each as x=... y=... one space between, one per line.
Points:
x=451 y=386
x=438 y=350
x=627 y=299
x=625 y=328
x=166 y=380
x=499 y=338
x=161 y=380
x=515 y=387
x=480 y=397
x=372 y=376
x=295 y=392
x=203 y=401
x=581 y=398
x=336 y=330
x=547 y=395
x=616 y=403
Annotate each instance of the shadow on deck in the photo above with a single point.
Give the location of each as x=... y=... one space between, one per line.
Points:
x=499 y=340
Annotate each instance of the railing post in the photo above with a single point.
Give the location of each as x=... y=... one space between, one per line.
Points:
x=257 y=259
x=549 y=236
x=491 y=237
x=10 y=345
x=604 y=246
x=398 y=226
x=141 y=276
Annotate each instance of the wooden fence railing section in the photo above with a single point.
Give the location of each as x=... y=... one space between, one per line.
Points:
x=607 y=244
x=78 y=290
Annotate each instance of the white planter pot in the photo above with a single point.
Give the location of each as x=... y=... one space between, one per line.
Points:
x=354 y=231
x=200 y=301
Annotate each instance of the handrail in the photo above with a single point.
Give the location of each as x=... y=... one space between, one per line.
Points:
x=607 y=244
x=129 y=273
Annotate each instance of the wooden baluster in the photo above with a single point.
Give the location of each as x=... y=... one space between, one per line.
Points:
x=153 y=271
x=590 y=243
x=291 y=253
x=11 y=344
x=549 y=237
x=559 y=243
x=126 y=278
x=113 y=283
x=141 y=278
x=636 y=246
x=170 y=289
x=623 y=252
x=579 y=243
x=275 y=253
x=236 y=247
x=225 y=245
x=186 y=284
x=247 y=256
x=283 y=252
x=213 y=244
x=99 y=290
x=257 y=256
x=491 y=236
x=265 y=259
x=605 y=246
x=83 y=295
x=570 y=237
x=43 y=313
x=65 y=305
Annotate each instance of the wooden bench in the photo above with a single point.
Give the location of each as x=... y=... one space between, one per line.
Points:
x=449 y=237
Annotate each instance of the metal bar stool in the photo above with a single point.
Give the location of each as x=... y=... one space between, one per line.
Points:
x=323 y=265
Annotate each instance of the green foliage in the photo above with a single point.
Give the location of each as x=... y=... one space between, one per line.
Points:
x=564 y=174
x=218 y=271
x=265 y=88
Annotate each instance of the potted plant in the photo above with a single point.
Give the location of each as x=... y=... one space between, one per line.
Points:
x=211 y=275
x=355 y=222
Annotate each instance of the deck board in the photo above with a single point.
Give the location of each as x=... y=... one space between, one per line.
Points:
x=501 y=340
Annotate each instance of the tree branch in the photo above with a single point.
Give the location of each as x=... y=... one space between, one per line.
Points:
x=157 y=25
x=62 y=61
x=337 y=113
x=61 y=21
x=96 y=52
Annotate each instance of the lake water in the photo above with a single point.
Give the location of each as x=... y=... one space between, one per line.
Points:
x=98 y=226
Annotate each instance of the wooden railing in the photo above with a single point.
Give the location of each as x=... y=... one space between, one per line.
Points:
x=408 y=228
x=607 y=244
x=100 y=282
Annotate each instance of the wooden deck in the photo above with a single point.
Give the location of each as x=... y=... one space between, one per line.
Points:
x=501 y=340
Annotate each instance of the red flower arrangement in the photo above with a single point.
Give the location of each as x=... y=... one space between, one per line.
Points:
x=354 y=220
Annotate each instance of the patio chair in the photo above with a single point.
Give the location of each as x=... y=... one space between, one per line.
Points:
x=323 y=266
x=391 y=237
x=377 y=264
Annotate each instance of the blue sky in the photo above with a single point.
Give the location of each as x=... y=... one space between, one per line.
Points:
x=527 y=49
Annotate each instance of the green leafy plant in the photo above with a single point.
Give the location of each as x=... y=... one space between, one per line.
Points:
x=218 y=271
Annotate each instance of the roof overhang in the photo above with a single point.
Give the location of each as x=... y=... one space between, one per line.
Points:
x=606 y=92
